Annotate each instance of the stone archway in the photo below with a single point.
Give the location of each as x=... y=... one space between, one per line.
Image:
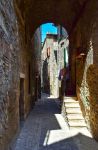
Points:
x=64 y=12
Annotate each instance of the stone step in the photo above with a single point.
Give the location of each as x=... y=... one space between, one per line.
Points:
x=73 y=113
x=78 y=128
x=70 y=105
x=73 y=110
x=70 y=98
x=70 y=101
x=77 y=123
x=74 y=116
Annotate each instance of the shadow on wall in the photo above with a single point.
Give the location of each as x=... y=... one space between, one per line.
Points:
x=64 y=89
x=80 y=68
x=46 y=78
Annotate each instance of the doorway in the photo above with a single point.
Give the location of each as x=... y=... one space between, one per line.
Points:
x=21 y=100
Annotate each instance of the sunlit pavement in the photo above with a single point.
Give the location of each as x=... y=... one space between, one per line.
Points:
x=45 y=129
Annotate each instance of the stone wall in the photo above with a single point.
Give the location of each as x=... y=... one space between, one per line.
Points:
x=15 y=57
x=87 y=65
x=92 y=80
x=36 y=60
x=9 y=73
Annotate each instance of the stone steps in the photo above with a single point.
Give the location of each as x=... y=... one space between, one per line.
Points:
x=70 y=101
x=74 y=116
x=73 y=110
x=73 y=113
x=70 y=105
x=68 y=97
x=78 y=128
x=76 y=122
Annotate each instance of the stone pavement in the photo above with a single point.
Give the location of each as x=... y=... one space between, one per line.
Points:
x=45 y=129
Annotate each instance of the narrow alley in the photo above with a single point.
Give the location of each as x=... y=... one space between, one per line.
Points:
x=45 y=129
x=50 y=47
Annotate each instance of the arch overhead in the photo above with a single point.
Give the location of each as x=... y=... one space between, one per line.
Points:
x=64 y=12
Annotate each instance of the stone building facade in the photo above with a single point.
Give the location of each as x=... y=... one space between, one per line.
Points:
x=63 y=57
x=16 y=61
x=49 y=64
x=63 y=61
x=54 y=58
x=9 y=73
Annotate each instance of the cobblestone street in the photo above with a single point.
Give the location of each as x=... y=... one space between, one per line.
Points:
x=45 y=129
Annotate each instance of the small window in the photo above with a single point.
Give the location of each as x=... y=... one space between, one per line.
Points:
x=62 y=44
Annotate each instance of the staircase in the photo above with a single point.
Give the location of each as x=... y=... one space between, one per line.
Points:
x=72 y=113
